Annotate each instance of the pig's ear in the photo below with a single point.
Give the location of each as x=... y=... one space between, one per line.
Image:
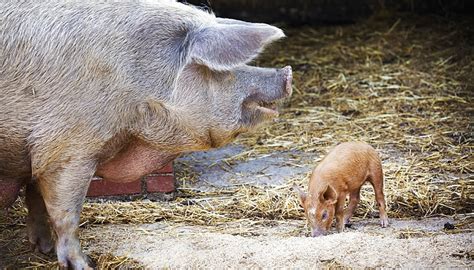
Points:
x=226 y=46
x=232 y=21
x=301 y=194
x=329 y=195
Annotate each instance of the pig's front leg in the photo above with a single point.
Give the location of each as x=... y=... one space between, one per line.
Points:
x=64 y=187
x=340 y=212
x=354 y=199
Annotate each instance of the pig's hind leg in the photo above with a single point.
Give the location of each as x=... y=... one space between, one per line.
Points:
x=64 y=187
x=39 y=230
x=376 y=179
x=353 y=202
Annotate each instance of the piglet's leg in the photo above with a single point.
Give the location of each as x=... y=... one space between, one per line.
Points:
x=353 y=202
x=379 y=196
x=377 y=183
x=340 y=212
x=64 y=188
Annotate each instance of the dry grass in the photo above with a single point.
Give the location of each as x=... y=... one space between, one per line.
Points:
x=16 y=254
x=405 y=86
x=102 y=261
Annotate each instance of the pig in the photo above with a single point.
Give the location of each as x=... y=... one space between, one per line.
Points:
x=118 y=89
x=342 y=172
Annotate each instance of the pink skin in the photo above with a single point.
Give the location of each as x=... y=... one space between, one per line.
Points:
x=133 y=162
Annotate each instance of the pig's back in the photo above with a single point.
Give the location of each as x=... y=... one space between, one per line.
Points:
x=89 y=63
x=51 y=48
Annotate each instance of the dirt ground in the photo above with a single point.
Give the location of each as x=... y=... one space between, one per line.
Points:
x=406 y=243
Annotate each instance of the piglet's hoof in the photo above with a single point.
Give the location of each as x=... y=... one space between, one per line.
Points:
x=384 y=222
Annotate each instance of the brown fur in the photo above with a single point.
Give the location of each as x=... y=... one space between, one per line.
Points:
x=342 y=172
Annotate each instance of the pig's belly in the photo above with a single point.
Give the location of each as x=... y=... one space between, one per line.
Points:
x=133 y=162
x=9 y=190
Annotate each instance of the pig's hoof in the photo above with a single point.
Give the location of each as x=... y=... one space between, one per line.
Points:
x=42 y=245
x=40 y=238
x=70 y=255
x=78 y=261
x=384 y=222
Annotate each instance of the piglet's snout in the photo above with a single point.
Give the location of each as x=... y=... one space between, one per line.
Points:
x=316 y=233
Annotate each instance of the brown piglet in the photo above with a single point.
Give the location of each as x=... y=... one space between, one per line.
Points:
x=342 y=172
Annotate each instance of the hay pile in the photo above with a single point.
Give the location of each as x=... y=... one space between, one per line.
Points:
x=406 y=86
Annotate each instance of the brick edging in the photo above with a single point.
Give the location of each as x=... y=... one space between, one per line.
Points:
x=161 y=181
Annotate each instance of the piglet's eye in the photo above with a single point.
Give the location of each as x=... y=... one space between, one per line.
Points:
x=324 y=215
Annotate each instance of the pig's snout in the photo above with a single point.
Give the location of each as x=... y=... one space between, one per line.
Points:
x=267 y=87
x=288 y=78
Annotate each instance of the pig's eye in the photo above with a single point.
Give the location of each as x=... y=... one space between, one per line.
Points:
x=324 y=216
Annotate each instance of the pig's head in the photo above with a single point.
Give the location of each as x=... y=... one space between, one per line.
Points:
x=217 y=91
x=319 y=208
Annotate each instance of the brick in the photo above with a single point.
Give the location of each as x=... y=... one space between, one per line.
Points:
x=168 y=168
x=160 y=183
x=100 y=187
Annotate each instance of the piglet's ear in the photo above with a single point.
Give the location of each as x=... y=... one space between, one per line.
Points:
x=301 y=194
x=329 y=195
x=226 y=46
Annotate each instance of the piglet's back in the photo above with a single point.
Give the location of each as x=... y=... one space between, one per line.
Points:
x=349 y=161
